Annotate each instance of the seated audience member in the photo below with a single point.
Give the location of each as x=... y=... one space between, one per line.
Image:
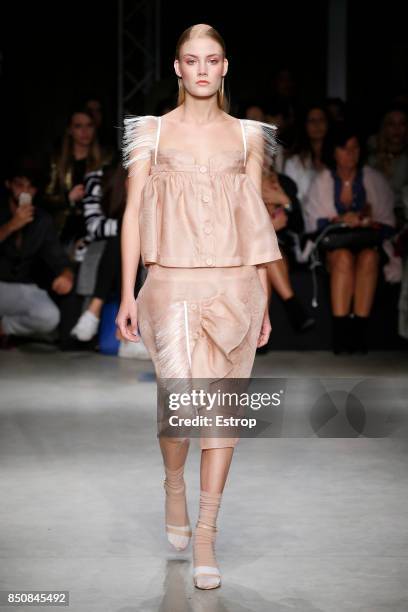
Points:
x=389 y=155
x=280 y=196
x=78 y=154
x=359 y=196
x=310 y=153
x=337 y=111
x=27 y=237
x=104 y=204
x=256 y=112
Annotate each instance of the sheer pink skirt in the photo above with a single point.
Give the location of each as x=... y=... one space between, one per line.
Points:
x=201 y=323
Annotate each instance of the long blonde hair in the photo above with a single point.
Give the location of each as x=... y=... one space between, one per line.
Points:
x=199 y=31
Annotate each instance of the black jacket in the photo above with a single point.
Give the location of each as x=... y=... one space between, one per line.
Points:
x=39 y=244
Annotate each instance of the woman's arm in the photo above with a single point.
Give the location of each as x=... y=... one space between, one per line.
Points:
x=138 y=141
x=254 y=168
x=98 y=226
x=130 y=236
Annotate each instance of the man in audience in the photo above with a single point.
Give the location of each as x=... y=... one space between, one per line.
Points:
x=28 y=238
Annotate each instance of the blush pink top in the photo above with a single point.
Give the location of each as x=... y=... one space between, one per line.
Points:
x=201 y=215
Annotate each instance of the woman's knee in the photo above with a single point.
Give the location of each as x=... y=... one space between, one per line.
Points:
x=368 y=259
x=341 y=260
x=46 y=318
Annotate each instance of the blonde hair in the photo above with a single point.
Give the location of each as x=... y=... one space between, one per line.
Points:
x=201 y=30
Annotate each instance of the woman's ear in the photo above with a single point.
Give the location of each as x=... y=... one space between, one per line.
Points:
x=225 y=67
x=176 y=68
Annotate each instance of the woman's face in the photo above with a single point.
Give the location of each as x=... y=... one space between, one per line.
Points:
x=395 y=128
x=347 y=157
x=316 y=124
x=201 y=59
x=82 y=129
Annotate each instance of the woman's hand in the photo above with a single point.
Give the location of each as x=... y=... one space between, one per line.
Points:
x=266 y=329
x=352 y=219
x=77 y=193
x=128 y=310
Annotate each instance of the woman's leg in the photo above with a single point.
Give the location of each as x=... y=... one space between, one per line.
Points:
x=278 y=275
x=106 y=279
x=215 y=464
x=366 y=276
x=342 y=280
x=340 y=264
x=174 y=452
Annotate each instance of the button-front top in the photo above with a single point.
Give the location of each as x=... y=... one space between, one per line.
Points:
x=177 y=226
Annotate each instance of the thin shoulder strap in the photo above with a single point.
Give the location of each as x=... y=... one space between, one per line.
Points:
x=157 y=140
x=244 y=139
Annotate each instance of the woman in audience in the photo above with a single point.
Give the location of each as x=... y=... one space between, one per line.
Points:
x=358 y=196
x=310 y=154
x=280 y=196
x=104 y=203
x=390 y=155
x=79 y=153
x=256 y=111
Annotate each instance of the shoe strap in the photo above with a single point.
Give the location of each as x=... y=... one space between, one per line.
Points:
x=202 y=524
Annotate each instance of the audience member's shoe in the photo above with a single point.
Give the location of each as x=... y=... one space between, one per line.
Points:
x=86 y=327
x=359 y=334
x=297 y=314
x=133 y=350
x=341 y=334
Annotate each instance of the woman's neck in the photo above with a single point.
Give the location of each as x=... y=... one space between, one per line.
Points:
x=80 y=151
x=316 y=146
x=346 y=174
x=199 y=111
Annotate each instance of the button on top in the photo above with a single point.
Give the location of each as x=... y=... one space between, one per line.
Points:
x=203 y=168
x=207 y=230
x=209 y=261
x=193 y=306
x=206 y=198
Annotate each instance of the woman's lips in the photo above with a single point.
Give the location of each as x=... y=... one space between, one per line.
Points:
x=203 y=82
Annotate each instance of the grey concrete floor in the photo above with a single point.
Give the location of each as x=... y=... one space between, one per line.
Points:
x=308 y=524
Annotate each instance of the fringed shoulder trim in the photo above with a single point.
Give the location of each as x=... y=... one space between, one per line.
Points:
x=139 y=139
x=261 y=141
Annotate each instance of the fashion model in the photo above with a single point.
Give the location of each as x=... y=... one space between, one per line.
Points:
x=195 y=215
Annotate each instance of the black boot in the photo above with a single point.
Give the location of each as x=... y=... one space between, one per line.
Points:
x=298 y=316
x=341 y=334
x=359 y=327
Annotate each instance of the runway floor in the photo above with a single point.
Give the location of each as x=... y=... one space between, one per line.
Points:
x=307 y=523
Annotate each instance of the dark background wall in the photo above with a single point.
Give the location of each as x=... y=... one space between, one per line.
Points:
x=53 y=52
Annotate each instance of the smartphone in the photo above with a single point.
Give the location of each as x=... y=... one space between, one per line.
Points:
x=24 y=198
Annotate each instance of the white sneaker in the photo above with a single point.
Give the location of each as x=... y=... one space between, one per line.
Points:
x=86 y=327
x=133 y=350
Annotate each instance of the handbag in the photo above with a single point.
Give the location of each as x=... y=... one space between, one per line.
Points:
x=350 y=237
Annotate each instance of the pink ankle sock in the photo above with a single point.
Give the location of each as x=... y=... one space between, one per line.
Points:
x=206 y=572
x=177 y=519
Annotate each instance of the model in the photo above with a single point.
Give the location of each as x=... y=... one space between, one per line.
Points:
x=195 y=215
